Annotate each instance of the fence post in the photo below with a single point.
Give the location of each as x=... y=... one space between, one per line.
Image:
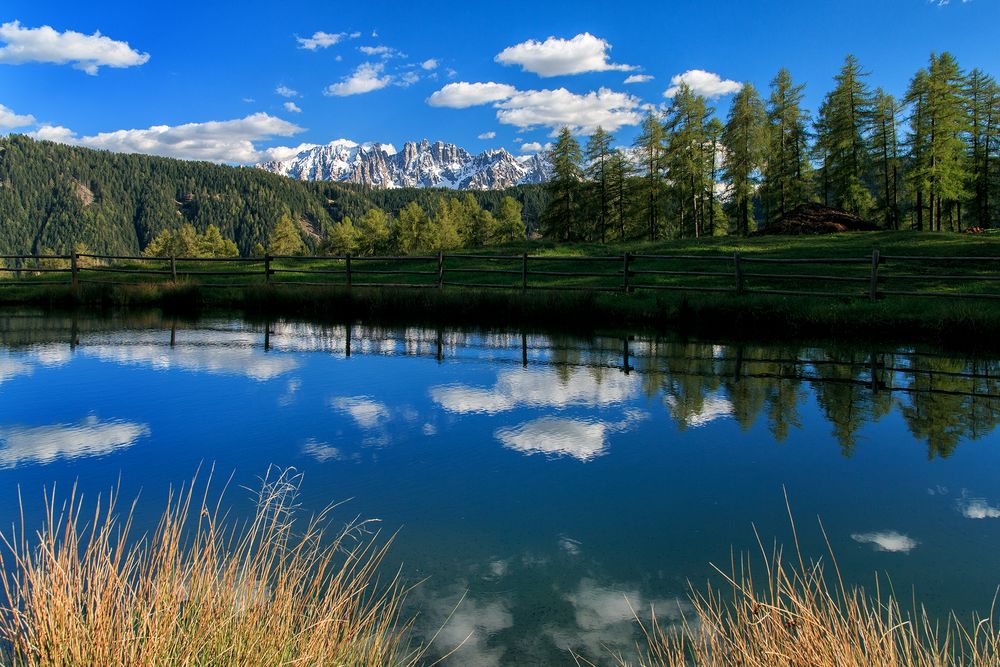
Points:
x=73 y=268
x=738 y=272
x=347 y=269
x=626 y=260
x=440 y=269
x=524 y=272
x=267 y=268
x=173 y=269
x=873 y=286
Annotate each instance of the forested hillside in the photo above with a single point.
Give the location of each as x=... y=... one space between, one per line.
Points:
x=55 y=197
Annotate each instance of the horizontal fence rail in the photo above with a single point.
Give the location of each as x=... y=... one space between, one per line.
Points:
x=871 y=277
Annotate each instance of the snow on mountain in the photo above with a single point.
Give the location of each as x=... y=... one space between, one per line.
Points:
x=421 y=165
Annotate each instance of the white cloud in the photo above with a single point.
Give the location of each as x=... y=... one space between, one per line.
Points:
x=531 y=147
x=284 y=152
x=487 y=135
x=408 y=79
x=285 y=91
x=429 y=64
x=381 y=51
x=639 y=78
x=365 y=412
x=978 y=508
x=555 y=56
x=9 y=119
x=463 y=94
x=887 y=540
x=555 y=436
x=47 y=45
x=537 y=388
x=323 y=40
x=581 y=113
x=709 y=84
x=323 y=452
x=711 y=407
x=292 y=107
x=215 y=141
x=45 y=444
x=366 y=78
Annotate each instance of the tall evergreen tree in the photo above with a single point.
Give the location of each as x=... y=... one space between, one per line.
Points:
x=650 y=145
x=597 y=155
x=786 y=166
x=688 y=167
x=982 y=95
x=885 y=155
x=918 y=143
x=562 y=214
x=619 y=170
x=714 y=131
x=842 y=140
x=744 y=138
x=946 y=171
x=509 y=220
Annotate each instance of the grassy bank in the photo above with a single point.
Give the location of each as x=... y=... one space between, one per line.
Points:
x=955 y=322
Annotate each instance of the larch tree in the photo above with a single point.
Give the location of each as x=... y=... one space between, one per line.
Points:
x=982 y=95
x=619 y=170
x=597 y=155
x=688 y=167
x=744 y=137
x=562 y=213
x=650 y=146
x=843 y=140
x=885 y=155
x=786 y=167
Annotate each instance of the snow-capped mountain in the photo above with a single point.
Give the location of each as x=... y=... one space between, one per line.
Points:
x=420 y=165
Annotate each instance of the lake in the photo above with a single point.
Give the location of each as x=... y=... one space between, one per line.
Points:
x=547 y=478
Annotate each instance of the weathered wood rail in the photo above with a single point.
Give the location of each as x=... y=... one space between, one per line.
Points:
x=871 y=277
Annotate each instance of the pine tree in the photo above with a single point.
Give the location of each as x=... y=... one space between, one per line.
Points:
x=885 y=155
x=598 y=154
x=786 y=165
x=842 y=140
x=650 y=146
x=946 y=171
x=562 y=214
x=918 y=143
x=619 y=170
x=687 y=157
x=744 y=138
x=714 y=131
x=982 y=96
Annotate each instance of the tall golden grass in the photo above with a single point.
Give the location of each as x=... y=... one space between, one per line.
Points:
x=201 y=589
x=794 y=613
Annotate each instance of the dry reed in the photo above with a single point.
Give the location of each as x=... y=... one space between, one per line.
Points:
x=201 y=589
x=792 y=613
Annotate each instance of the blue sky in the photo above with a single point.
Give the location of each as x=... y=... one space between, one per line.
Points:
x=207 y=76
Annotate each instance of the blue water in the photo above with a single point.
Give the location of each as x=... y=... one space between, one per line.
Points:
x=546 y=478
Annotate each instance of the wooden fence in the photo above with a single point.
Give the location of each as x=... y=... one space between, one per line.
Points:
x=872 y=277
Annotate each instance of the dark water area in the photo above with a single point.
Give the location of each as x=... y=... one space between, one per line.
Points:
x=551 y=480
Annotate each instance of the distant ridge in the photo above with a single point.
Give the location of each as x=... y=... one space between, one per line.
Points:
x=418 y=165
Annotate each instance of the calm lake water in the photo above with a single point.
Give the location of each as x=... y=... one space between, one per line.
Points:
x=546 y=477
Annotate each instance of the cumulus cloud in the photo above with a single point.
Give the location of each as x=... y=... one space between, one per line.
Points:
x=366 y=78
x=429 y=64
x=581 y=439
x=285 y=91
x=887 y=540
x=531 y=147
x=709 y=84
x=978 y=508
x=323 y=40
x=408 y=79
x=9 y=119
x=292 y=107
x=487 y=135
x=639 y=78
x=46 y=45
x=556 y=56
x=365 y=412
x=45 y=444
x=214 y=141
x=463 y=94
x=561 y=108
